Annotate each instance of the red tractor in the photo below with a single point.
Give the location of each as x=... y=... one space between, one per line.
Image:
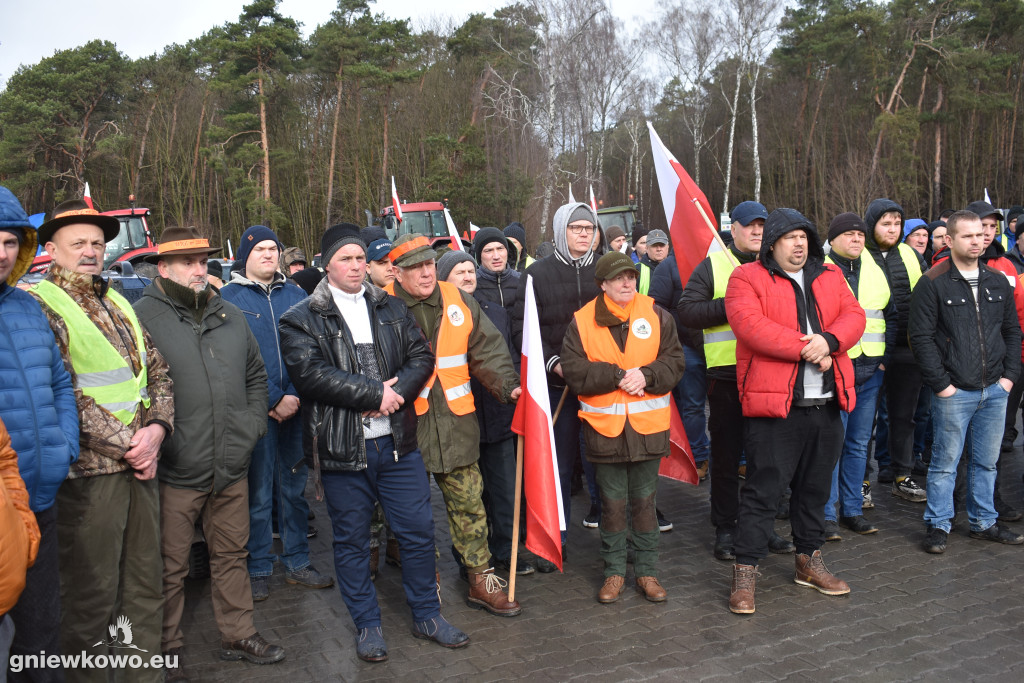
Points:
x=132 y=243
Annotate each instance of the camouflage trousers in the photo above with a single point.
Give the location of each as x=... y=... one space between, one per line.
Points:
x=467 y=520
x=380 y=532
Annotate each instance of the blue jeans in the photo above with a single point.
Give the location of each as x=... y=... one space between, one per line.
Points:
x=403 y=490
x=882 y=458
x=983 y=412
x=277 y=468
x=691 y=394
x=848 y=474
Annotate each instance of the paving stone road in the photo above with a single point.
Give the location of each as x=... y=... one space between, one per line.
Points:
x=910 y=616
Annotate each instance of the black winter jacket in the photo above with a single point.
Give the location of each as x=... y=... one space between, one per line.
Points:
x=561 y=289
x=698 y=309
x=323 y=365
x=496 y=292
x=958 y=343
x=895 y=272
x=666 y=290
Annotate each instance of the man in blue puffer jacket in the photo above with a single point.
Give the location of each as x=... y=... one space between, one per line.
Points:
x=37 y=403
x=277 y=467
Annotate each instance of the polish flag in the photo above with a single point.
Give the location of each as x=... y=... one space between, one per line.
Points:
x=572 y=200
x=87 y=197
x=394 y=201
x=545 y=521
x=453 y=232
x=593 y=202
x=473 y=230
x=679 y=464
x=692 y=229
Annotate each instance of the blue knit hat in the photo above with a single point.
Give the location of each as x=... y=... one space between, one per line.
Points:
x=250 y=238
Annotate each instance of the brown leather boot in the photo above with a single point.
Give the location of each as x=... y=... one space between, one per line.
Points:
x=652 y=590
x=611 y=590
x=485 y=592
x=744 y=581
x=811 y=572
x=374 y=562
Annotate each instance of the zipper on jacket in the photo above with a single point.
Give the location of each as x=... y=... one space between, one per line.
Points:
x=35 y=419
x=981 y=332
x=277 y=341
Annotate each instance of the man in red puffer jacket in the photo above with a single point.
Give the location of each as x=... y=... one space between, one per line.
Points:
x=794 y=320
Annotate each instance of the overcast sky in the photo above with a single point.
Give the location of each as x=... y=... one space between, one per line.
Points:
x=33 y=29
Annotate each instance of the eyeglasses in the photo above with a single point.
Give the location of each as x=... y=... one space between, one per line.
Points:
x=580 y=229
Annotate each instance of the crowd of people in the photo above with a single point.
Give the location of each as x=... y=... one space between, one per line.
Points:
x=206 y=410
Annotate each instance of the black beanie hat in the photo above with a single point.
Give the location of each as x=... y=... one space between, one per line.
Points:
x=484 y=237
x=336 y=237
x=846 y=222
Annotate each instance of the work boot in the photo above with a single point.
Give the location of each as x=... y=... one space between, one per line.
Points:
x=779 y=545
x=651 y=589
x=370 y=645
x=611 y=590
x=485 y=592
x=744 y=581
x=441 y=632
x=724 y=542
x=255 y=648
x=811 y=572
x=308 y=577
x=174 y=666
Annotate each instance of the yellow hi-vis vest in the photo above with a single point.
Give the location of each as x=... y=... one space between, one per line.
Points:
x=911 y=262
x=873 y=296
x=101 y=372
x=644 y=283
x=607 y=413
x=451 y=364
x=720 y=340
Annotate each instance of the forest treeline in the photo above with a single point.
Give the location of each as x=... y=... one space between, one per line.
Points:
x=817 y=104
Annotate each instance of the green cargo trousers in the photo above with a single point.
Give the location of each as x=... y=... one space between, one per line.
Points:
x=635 y=483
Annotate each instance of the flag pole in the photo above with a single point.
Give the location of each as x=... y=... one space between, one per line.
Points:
x=515 y=518
x=561 y=402
x=711 y=227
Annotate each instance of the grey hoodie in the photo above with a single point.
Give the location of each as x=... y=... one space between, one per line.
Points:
x=559 y=226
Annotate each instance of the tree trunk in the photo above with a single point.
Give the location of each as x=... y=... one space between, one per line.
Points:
x=384 y=159
x=753 y=126
x=192 y=189
x=937 y=175
x=732 y=139
x=142 y=145
x=334 y=147
x=888 y=109
x=265 y=140
x=549 y=172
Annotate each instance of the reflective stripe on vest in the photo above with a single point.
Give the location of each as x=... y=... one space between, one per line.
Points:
x=873 y=296
x=607 y=413
x=644 y=284
x=451 y=364
x=720 y=340
x=101 y=372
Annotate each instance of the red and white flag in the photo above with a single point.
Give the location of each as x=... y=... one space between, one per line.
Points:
x=679 y=464
x=572 y=200
x=545 y=520
x=693 y=235
x=87 y=197
x=394 y=200
x=453 y=232
x=593 y=202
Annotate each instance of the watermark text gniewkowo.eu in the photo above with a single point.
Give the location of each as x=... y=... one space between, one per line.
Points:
x=84 y=660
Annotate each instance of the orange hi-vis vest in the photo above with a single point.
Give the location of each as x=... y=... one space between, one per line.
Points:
x=607 y=413
x=451 y=362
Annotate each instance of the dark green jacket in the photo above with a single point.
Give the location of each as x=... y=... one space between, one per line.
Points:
x=448 y=441
x=220 y=390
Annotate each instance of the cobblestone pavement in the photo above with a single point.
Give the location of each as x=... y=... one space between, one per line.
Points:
x=910 y=616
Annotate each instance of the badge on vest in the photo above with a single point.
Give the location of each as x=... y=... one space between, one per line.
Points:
x=641 y=328
x=455 y=315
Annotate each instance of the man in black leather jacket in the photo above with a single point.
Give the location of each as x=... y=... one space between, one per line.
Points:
x=358 y=360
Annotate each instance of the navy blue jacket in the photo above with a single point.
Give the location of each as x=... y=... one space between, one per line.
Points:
x=37 y=401
x=263 y=311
